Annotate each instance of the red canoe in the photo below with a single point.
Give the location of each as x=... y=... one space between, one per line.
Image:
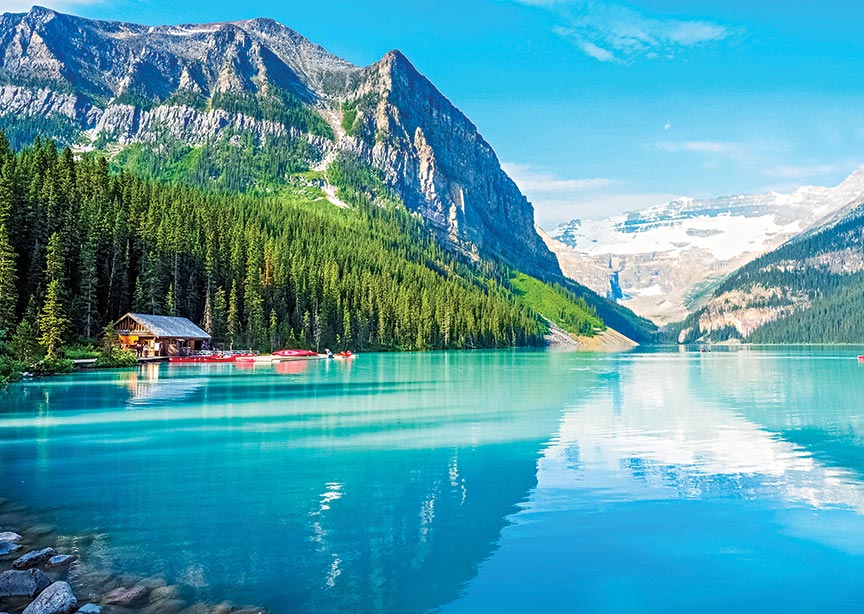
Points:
x=295 y=353
x=201 y=359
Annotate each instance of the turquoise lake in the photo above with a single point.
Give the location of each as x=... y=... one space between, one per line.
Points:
x=509 y=481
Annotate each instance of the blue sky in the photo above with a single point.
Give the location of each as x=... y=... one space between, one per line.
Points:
x=596 y=107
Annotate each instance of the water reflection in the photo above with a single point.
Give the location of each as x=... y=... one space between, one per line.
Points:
x=500 y=481
x=686 y=480
x=375 y=486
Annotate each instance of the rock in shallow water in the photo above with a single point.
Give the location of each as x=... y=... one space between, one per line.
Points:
x=32 y=559
x=56 y=599
x=126 y=597
x=90 y=608
x=23 y=583
x=9 y=536
x=60 y=560
x=8 y=548
x=165 y=606
x=164 y=592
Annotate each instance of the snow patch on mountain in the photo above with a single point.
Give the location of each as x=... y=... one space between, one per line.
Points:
x=725 y=236
x=656 y=260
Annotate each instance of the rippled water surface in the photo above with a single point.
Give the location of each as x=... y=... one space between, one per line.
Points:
x=466 y=482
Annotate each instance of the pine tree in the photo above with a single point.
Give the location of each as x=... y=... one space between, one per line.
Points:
x=170 y=301
x=89 y=286
x=220 y=316
x=207 y=319
x=8 y=279
x=233 y=316
x=52 y=318
x=274 y=331
x=25 y=342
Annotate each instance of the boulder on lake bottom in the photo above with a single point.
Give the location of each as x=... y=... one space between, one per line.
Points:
x=32 y=559
x=56 y=599
x=126 y=597
x=23 y=583
x=59 y=560
x=8 y=547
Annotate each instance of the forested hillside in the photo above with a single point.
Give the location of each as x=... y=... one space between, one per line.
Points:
x=80 y=245
x=810 y=290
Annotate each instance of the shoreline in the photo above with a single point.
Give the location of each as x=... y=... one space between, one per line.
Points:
x=43 y=571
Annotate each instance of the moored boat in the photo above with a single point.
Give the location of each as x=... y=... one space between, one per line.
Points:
x=212 y=358
x=296 y=354
x=216 y=357
x=281 y=356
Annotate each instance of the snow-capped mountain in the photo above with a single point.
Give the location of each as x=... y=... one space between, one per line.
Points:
x=660 y=260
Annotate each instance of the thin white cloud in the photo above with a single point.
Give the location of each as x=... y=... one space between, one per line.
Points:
x=724 y=148
x=801 y=172
x=533 y=182
x=558 y=199
x=609 y=31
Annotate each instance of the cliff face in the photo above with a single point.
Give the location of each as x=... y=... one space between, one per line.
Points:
x=120 y=83
x=444 y=169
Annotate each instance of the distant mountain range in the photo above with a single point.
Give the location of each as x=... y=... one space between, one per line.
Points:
x=664 y=261
x=809 y=290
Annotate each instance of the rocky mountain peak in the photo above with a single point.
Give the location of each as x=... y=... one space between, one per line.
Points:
x=129 y=83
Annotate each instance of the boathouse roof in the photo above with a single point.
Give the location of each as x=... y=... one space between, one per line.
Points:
x=159 y=326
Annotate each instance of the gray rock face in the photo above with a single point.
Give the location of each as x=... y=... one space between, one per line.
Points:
x=56 y=599
x=91 y=73
x=435 y=158
x=23 y=583
x=32 y=559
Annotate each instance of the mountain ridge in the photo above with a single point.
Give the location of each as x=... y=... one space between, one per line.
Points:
x=115 y=82
x=808 y=290
x=660 y=261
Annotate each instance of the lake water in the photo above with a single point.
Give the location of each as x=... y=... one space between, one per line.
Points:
x=523 y=481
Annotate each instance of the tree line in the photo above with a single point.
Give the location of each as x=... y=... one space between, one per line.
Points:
x=80 y=245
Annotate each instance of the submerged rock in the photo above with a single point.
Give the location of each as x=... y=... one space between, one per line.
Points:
x=8 y=548
x=32 y=559
x=41 y=530
x=56 y=599
x=23 y=583
x=90 y=608
x=164 y=606
x=164 y=592
x=9 y=536
x=127 y=597
x=60 y=560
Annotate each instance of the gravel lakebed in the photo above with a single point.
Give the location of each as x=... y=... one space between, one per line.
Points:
x=45 y=572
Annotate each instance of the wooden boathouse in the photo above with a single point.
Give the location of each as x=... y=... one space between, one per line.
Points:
x=153 y=335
